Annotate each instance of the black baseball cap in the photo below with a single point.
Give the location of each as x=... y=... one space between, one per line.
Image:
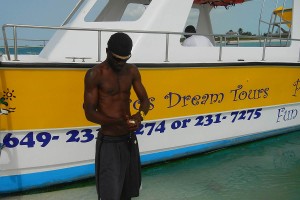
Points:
x=120 y=44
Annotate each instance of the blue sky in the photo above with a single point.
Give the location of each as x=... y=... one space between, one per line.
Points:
x=35 y=12
x=38 y=12
x=53 y=13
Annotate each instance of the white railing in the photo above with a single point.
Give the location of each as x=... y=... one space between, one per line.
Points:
x=221 y=38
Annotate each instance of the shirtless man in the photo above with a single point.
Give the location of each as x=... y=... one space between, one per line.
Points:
x=107 y=102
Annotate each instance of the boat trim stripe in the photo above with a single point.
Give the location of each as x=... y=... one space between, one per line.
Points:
x=144 y=65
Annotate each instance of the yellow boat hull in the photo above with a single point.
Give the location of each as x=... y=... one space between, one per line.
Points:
x=46 y=138
x=53 y=98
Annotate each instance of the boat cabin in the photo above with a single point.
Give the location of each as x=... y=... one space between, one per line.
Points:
x=156 y=28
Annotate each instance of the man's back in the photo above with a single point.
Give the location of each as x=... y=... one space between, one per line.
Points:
x=197 y=40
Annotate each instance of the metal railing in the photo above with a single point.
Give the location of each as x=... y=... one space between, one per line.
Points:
x=43 y=42
x=221 y=38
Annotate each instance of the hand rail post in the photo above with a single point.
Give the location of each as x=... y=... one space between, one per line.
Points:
x=5 y=43
x=264 y=50
x=220 y=51
x=167 y=48
x=15 y=43
x=99 y=46
x=299 y=55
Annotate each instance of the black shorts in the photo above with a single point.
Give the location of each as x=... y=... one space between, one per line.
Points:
x=118 y=167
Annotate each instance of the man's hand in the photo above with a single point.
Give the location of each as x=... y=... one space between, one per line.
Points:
x=137 y=116
x=133 y=123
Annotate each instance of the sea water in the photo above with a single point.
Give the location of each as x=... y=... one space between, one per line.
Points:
x=268 y=169
x=24 y=50
x=261 y=170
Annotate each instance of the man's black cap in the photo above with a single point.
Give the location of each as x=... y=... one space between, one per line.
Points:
x=120 y=44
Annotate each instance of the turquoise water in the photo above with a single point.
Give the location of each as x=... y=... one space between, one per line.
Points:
x=24 y=51
x=234 y=43
x=261 y=170
x=267 y=169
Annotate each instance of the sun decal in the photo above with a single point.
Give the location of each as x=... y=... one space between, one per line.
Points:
x=7 y=96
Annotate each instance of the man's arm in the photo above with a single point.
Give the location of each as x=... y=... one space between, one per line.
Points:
x=91 y=99
x=140 y=91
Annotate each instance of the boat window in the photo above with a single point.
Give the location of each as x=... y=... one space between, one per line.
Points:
x=133 y=12
x=96 y=10
x=113 y=10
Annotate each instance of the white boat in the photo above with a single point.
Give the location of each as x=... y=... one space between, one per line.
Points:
x=202 y=98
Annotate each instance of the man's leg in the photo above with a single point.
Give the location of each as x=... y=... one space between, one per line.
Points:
x=113 y=164
x=97 y=165
x=132 y=182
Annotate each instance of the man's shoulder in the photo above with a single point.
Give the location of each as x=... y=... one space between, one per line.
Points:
x=100 y=68
x=133 y=68
x=189 y=41
x=97 y=71
x=202 y=37
x=203 y=41
x=130 y=65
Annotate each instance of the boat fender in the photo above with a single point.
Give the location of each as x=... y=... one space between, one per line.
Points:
x=1 y=147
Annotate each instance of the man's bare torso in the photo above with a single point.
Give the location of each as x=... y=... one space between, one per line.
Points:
x=114 y=96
